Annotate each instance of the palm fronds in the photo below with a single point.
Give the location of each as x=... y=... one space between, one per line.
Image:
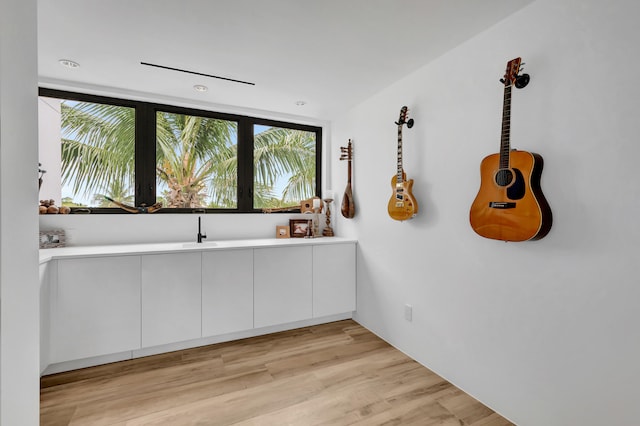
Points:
x=196 y=158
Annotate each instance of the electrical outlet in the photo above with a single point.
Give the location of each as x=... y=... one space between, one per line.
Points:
x=408 y=312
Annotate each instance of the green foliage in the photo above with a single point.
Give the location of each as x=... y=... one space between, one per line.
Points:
x=68 y=202
x=196 y=158
x=97 y=145
x=278 y=152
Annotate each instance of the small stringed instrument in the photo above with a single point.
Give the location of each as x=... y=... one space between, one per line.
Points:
x=133 y=209
x=402 y=204
x=306 y=206
x=510 y=205
x=348 y=207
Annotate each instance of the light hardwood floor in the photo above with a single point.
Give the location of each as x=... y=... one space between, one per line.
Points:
x=330 y=374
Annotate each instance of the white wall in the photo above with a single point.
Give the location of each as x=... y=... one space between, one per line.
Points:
x=544 y=332
x=19 y=307
x=94 y=229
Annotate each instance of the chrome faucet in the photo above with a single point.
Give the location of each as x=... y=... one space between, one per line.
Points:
x=200 y=234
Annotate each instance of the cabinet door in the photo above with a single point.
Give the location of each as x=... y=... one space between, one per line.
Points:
x=96 y=307
x=227 y=291
x=171 y=310
x=334 y=279
x=45 y=312
x=282 y=285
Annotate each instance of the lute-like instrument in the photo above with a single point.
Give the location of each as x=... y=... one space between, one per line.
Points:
x=348 y=207
x=133 y=209
x=305 y=206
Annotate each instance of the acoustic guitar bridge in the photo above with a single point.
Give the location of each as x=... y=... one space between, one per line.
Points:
x=501 y=205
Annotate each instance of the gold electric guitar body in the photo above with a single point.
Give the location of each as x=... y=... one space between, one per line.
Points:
x=402 y=204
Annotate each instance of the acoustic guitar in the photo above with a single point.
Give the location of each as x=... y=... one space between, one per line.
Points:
x=402 y=204
x=510 y=205
x=348 y=207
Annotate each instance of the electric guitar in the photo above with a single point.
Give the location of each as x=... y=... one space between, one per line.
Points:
x=402 y=204
x=510 y=205
x=348 y=207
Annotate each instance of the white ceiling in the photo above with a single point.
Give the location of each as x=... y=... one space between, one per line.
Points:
x=331 y=54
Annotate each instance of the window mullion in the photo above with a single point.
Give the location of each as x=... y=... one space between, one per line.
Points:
x=145 y=155
x=245 y=165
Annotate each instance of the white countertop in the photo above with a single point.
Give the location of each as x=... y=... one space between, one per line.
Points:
x=154 y=248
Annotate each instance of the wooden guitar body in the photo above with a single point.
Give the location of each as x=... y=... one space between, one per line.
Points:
x=402 y=204
x=348 y=207
x=517 y=211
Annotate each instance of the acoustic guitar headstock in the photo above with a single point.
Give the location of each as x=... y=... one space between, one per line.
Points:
x=511 y=75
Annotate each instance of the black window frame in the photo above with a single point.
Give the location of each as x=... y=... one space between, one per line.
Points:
x=145 y=150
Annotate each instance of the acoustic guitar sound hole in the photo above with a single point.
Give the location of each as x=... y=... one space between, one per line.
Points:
x=504 y=177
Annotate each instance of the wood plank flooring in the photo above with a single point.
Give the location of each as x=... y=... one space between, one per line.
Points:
x=330 y=374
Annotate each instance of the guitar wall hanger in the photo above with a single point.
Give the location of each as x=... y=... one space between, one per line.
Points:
x=409 y=123
x=521 y=80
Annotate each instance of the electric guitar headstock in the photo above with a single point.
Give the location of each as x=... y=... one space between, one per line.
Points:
x=404 y=113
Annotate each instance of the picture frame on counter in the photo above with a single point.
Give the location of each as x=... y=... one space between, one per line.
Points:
x=299 y=228
x=283 y=231
x=52 y=239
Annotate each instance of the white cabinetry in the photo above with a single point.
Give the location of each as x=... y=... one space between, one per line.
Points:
x=171 y=310
x=45 y=312
x=96 y=307
x=112 y=300
x=227 y=291
x=282 y=285
x=334 y=279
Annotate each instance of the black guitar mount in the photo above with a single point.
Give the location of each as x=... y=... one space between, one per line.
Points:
x=521 y=80
x=409 y=123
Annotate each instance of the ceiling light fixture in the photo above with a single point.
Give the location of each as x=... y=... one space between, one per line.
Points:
x=197 y=73
x=200 y=88
x=301 y=103
x=69 y=63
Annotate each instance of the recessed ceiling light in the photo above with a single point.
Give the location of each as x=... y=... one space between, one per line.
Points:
x=200 y=88
x=301 y=103
x=69 y=63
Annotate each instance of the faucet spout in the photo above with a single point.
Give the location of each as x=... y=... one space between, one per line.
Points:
x=200 y=234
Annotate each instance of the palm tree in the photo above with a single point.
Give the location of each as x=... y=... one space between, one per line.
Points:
x=192 y=150
x=196 y=157
x=118 y=191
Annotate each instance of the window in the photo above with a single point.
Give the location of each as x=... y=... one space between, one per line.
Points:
x=284 y=166
x=101 y=151
x=196 y=161
x=92 y=146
